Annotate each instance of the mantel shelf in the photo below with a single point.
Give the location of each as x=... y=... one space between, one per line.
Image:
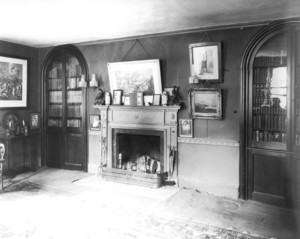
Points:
x=126 y=107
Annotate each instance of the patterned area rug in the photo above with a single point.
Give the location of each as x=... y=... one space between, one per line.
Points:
x=32 y=211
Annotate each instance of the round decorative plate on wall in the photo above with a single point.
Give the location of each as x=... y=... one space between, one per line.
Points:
x=10 y=116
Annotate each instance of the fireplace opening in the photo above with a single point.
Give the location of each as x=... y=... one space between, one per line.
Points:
x=138 y=150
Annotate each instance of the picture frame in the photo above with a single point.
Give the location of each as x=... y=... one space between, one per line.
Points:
x=34 y=121
x=126 y=100
x=205 y=103
x=136 y=76
x=156 y=99
x=95 y=123
x=13 y=82
x=186 y=128
x=117 y=97
x=205 y=61
x=140 y=98
x=148 y=100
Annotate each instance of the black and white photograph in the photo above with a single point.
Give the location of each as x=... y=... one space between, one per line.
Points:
x=95 y=123
x=35 y=121
x=205 y=60
x=150 y=119
x=186 y=128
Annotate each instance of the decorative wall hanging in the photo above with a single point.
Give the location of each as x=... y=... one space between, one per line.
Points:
x=205 y=62
x=135 y=76
x=10 y=120
x=13 y=82
x=186 y=128
x=95 y=122
x=35 y=121
x=205 y=103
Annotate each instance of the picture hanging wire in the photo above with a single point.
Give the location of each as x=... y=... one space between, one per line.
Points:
x=206 y=35
x=134 y=43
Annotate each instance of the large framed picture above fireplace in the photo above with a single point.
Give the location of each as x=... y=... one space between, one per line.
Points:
x=135 y=76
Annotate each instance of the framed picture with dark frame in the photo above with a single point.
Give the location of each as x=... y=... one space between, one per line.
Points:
x=205 y=61
x=117 y=97
x=95 y=122
x=186 y=128
x=205 y=103
x=34 y=121
x=13 y=82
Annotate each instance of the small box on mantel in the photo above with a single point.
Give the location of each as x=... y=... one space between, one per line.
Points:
x=133 y=99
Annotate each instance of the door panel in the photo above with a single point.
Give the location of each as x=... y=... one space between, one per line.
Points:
x=267 y=178
x=54 y=154
x=74 y=155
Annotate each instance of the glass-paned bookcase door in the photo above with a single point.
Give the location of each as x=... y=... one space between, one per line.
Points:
x=269 y=95
x=74 y=93
x=55 y=93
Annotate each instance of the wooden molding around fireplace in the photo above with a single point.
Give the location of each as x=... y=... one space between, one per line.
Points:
x=156 y=118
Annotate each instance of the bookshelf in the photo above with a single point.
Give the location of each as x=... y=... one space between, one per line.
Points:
x=270 y=133
x=65 y=108
x=269 y=97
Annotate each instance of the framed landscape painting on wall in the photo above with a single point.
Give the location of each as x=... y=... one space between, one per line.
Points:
x=13 y=82
x=205 y=103
x=135 y=76
x=205 y=61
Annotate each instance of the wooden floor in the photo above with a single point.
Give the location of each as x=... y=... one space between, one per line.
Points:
x=186 y=204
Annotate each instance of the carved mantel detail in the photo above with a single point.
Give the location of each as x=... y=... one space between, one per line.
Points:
x=158 y=118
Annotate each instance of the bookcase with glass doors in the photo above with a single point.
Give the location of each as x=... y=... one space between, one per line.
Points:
x=272 y=109
x=65 y=109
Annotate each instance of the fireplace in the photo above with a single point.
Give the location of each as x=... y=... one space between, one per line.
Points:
x=138 y=150
x=139 y=144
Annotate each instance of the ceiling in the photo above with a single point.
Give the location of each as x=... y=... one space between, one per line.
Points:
x=43 y=23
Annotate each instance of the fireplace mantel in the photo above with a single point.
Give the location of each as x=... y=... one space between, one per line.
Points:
x=158 y=118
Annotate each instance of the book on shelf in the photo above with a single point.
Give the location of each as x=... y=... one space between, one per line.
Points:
x=74 y=96
x=55 y=96
x=74 y=123
x=74 y=110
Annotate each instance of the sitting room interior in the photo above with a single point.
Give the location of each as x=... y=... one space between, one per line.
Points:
x=195 y=100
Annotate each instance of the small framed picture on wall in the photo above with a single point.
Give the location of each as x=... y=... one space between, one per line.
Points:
x=186 y=128
x=35 y=123
x=95 y=122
